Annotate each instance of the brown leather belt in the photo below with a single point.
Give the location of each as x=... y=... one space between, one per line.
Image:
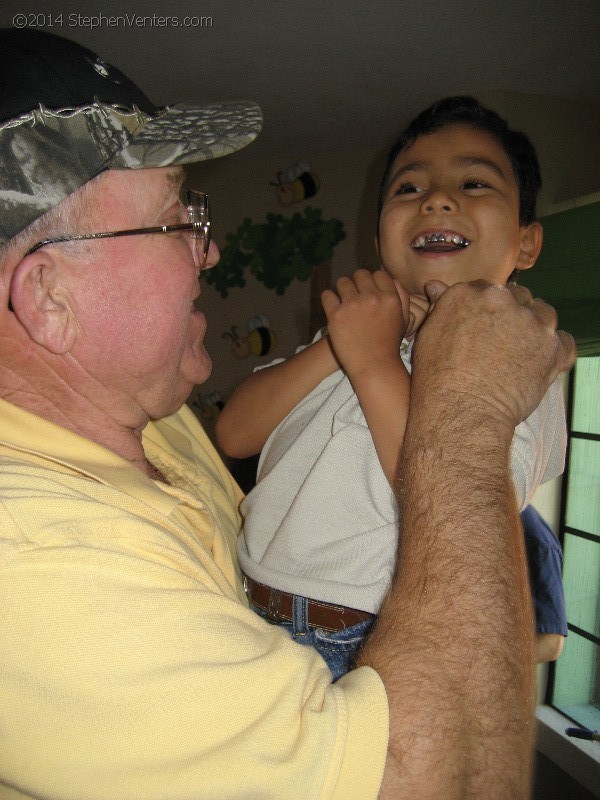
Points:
x=279 y=605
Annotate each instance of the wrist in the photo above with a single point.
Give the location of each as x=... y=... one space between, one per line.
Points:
x=323 y=350
x=463 y=403
x=374 y=367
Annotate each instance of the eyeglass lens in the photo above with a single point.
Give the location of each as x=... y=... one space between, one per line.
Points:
x=198 y=212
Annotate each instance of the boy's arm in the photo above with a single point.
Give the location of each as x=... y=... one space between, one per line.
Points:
x=265 y=398
x=366 y=323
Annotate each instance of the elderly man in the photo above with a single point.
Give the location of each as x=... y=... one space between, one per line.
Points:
x=131 y=665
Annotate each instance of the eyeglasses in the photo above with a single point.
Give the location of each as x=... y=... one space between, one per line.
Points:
x=195 y=205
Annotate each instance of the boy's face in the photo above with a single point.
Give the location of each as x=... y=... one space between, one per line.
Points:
x=451 y=212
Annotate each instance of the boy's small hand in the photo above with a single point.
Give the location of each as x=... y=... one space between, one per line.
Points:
x=419 y=308
x=366 y=319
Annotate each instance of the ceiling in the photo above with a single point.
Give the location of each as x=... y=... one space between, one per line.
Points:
x=338 y=74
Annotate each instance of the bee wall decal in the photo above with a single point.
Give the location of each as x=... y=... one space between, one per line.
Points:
x=296 y=183
x=260 y=340
x=210 y=406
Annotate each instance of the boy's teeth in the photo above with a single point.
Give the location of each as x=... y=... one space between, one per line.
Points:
x=454 y=238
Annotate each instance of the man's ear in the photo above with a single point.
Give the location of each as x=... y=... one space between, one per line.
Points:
x=531 y=244
x=41 y=302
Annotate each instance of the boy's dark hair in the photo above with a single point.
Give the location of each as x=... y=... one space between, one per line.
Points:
x=468 y=111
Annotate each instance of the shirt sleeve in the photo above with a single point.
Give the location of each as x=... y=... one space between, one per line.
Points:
x=318 y=335
x=538 y=447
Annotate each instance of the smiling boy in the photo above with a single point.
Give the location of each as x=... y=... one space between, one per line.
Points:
x=457 y=203
x=451 y=211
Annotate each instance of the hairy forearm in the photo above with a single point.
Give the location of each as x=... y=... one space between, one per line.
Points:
x=454 y=642
x=265 y=398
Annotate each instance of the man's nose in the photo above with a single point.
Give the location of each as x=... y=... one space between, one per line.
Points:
x=212 y=257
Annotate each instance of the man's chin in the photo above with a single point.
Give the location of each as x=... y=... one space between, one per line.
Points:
x=203 y=367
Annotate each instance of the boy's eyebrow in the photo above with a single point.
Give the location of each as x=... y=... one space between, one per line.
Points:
x=462 y=161
x=414 y=166
x=480 y=161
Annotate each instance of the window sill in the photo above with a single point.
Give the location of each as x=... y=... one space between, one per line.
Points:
x=577 y=757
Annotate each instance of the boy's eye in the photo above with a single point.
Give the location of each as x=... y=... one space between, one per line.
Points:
x=475 y=184
x=407 y=188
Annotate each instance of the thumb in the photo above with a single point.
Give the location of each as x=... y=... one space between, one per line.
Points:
x=434 y=290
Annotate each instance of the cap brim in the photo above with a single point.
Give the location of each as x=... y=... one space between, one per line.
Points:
x=185 y=134
x=49 y=154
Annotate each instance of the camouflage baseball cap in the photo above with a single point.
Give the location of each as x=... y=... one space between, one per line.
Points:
x=66 y=115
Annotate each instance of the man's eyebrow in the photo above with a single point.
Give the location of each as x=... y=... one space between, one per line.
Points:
x=175 y=178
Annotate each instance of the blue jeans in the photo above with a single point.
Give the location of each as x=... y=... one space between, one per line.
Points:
x=338 y=648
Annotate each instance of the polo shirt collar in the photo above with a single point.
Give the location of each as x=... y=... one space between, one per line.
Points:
x=28 y=434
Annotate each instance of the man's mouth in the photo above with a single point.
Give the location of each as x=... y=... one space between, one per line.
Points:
x=440 y=242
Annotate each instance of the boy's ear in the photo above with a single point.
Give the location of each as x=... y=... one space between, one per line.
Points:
x=531 y=244
x=376 y=242
x=41 y=302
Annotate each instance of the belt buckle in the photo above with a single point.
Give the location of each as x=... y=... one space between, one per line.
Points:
x=274 y=605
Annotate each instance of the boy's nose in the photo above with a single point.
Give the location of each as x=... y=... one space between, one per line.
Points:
x=439 y=200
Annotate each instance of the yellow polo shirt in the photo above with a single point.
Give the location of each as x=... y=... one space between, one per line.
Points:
x=130 y=665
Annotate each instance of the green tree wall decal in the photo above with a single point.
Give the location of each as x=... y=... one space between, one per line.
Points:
x=276 y=251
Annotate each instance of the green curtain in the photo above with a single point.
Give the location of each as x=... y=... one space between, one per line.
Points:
x=567 y=273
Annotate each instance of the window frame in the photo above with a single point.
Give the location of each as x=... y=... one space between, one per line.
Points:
x=551 y=689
